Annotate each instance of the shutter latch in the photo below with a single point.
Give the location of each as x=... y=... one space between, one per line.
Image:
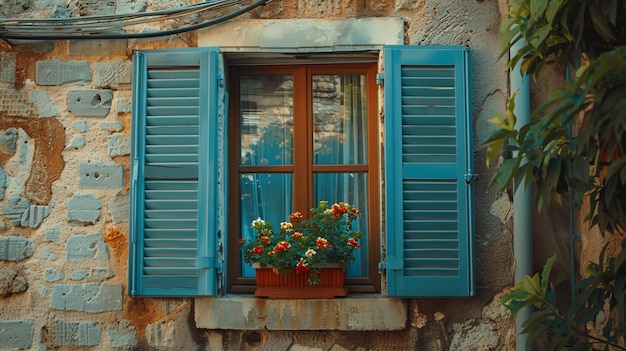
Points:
x=380 y=78
x=470 y=177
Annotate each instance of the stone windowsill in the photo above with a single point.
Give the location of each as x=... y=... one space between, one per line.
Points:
x=245 y=312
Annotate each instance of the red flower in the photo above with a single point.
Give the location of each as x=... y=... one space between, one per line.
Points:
x=322 y=243
x=282 y=246
x=296 y=217
x=258 y=250
x=353 y=243
x=302 y=268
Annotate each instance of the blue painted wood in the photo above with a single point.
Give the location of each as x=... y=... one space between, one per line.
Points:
x=174 y=173
x=429 y=213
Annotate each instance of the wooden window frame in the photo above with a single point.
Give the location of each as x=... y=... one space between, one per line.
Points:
x=303 y=140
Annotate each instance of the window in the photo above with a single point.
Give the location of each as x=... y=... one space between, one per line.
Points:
x=295 y=127
x=300 y=134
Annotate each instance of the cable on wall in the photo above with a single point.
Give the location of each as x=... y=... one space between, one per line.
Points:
x=111 y=26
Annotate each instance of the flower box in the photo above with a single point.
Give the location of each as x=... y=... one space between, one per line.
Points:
x=295 y=285
x=307 y=255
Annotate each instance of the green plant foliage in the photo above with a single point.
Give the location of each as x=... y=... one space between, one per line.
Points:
x=576 y=328
x=575 y=144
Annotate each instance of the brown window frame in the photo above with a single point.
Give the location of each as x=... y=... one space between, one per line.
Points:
x=303 y=167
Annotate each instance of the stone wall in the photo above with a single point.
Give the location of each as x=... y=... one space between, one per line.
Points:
x=64 y=180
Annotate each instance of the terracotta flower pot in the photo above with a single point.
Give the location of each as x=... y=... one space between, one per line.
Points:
x=295 y=285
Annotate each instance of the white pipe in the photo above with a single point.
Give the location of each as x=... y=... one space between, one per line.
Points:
x=522 y=198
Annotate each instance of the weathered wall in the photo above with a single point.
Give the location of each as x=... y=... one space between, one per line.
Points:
x=64 y=146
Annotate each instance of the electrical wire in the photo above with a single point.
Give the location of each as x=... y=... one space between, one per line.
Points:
x=108 y=26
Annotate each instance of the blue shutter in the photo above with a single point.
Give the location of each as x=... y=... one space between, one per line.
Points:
x=174 y=173
x=428 y=172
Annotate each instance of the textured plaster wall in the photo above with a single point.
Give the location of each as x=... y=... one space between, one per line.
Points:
x=64 y=145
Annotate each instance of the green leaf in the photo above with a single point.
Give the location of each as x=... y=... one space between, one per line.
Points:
x=537 y=7
x=506 y=171
x=540 y=35
x=551 y=10
x=545 y=274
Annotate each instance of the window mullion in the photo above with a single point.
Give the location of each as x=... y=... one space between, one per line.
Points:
x=302 y=141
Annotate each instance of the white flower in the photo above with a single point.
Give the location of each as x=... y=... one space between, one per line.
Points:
x=310 y=253
x=257 y=223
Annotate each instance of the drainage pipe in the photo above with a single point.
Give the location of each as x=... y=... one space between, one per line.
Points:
x=522 y=198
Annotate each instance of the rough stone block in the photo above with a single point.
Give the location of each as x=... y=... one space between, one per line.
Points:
x=53 y=234
x=119 y=144
x=89 y=102
x=3 y=183
x=82 y=125
x=119 y=208
x=112 y=126
x=112 y=74
x=8 y=141
x=14 y=208
x=366 y=312
x=79 y=274
x=160 y=334
x=52 y=275
x=14 y=7
x=16 y=334
x=131 y=6
x=109 y=47
x=61 y=12
x=15 y=248
x=83 y=209
x=46 y=254
x=33 y=45
x=92 y=8
x=86 y=247
x=34 y=215
x=45 y=4
x=77 y=142
x=17 y=103
x=7 y=67
x=100 y=175
x=101 y=273
x=45 y=106
x=57 y=72
x=65 y=333
x=93 y=298
x=122 y=104
x=122 y=334
x=11 y=282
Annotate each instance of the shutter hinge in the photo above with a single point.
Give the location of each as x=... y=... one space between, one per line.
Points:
x=220 y=80
x=209 y=262
x=470 y=177
x=380 y=77
x=393 y=264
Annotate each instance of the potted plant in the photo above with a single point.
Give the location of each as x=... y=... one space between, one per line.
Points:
x=305 y=258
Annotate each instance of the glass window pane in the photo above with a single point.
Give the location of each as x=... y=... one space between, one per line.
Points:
x=266 y=120
x=339 y=119
x=265 y=195
x=350 y=188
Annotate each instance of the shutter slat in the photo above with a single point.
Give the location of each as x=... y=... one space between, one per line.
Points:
x=427 y=124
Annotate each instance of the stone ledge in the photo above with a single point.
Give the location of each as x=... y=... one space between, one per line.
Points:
x=357 y=312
